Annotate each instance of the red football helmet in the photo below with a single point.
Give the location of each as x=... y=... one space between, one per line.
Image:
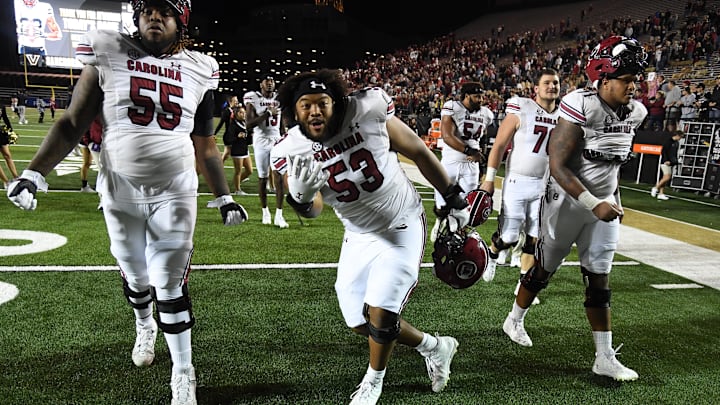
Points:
x=615 y=56
x=181 y=7
x=480 y=206
x=460 y=258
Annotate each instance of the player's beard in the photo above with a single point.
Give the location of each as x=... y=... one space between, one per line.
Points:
x=328 y=131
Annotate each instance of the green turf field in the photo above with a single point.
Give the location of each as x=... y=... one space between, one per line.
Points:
x=269 y=330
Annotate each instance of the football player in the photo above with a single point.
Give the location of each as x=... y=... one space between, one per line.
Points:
x=343 y=151
x=35 y=22
x=158 y=122
x=463 y=124
x=264 y=121
x=592 y=139
x=528 y=124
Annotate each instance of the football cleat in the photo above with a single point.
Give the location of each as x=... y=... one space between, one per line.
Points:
x=502 y=257
x=143 y=352
x=515 y=329
x=438 y=362
x=367 y=393
x=489 y=273
x=266 y=217
x=183 y=386
x=607 y=364
x=280 y=222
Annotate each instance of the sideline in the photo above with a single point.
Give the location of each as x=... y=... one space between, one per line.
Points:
x=647 y=244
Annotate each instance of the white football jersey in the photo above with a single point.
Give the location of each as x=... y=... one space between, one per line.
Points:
x=268 y=132
x=528 y=156
x=367 y=188
x=472 y=126
x=149 y=106
x=607 y=140
x=31 y=23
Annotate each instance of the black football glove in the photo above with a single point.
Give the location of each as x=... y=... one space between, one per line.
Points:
x=21 y=191
x=232 y=212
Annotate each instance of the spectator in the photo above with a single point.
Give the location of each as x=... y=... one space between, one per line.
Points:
x=702 y=101
x=656 y=112
x=671 y=104
x=687 y=105
x=714 y=103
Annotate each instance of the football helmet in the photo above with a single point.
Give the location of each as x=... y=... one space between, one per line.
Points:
x=182 y=9
x=480 y=206
x=616 y=56
x=460 y=258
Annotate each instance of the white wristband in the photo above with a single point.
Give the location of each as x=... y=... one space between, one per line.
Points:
x=36 y=178
x=588 y=200
x=220 y=201
x=490 y=174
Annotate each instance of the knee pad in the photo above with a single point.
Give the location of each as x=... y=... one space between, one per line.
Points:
x=137 y=300
x=383 y=334
x=531 y=282
x=597 y=293
x=529 y=246
x=597 y=297
x=499 y=243
x=174 y=306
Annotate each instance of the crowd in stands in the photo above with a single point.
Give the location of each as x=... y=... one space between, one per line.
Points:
x=422 y=77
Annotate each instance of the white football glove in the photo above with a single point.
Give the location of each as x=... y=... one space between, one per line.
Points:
x=21 y=191
x=305 y=178
x=232 y=212
x=457 y=219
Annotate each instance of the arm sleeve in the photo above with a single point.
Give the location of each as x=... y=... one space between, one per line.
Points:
x=204 y=116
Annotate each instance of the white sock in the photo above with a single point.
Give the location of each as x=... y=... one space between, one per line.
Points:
x=266 y=210
x=603 y=341
x=278 y=212
x=428 y=343
x=518 y=312
x=180 y=349
x=374 y=375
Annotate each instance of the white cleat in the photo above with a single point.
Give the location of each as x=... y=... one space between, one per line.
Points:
x=606 y=364
x=280 y=222
x=266 y=218
x=515 y=261
x=489 y=273
x=183 y=387
x=438 y=362
x=502 y=258
x=515 y=329
x=367 y=393
x=143 y=352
